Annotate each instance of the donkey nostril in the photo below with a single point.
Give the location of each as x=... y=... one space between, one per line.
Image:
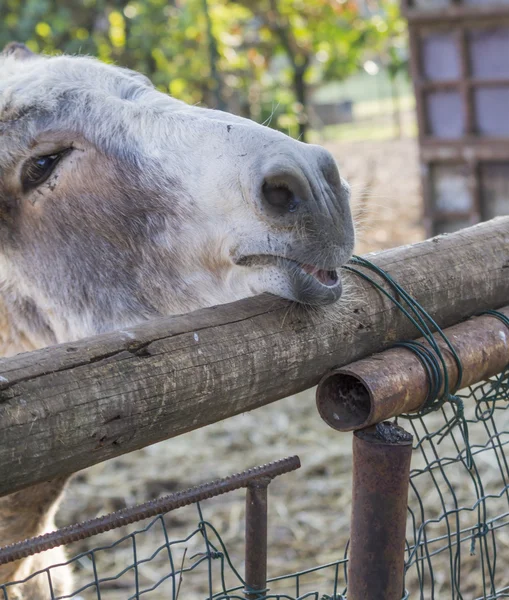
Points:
x=279 y=196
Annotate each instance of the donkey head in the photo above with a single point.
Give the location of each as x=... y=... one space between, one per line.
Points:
x=119 y=203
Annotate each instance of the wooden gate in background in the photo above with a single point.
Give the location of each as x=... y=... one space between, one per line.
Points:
x=460 y=67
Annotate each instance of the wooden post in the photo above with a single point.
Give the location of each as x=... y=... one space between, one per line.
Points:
x=65 y=408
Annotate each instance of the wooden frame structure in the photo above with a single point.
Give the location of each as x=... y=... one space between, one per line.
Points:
x=460 y=67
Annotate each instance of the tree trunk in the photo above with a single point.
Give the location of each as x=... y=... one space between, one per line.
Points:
x=217 y=82
x=74 y=405
x=300 y=63
x=299 y=86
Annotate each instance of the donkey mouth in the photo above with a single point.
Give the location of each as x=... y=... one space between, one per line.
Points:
x=311 y=284
x=327 y=278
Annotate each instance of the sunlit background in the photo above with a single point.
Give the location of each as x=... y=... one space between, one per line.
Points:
x=327 y=66
x=333 y=72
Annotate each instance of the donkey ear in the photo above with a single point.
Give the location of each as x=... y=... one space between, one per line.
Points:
x=19 y=51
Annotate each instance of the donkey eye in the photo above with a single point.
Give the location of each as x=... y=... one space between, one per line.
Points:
x=37 y=170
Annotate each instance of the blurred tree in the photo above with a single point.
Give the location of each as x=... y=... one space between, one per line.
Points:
x=321 y=40
x=388 y=43
x=259 y=58
x=184 y=46
x=214 y=59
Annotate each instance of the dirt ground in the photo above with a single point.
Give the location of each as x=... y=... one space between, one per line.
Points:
x=309 y=509
x=386 y=192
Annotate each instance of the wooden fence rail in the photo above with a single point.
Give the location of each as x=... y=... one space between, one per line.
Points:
x=68 y=407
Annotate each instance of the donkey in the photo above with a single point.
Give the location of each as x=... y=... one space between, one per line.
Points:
x=119 y=203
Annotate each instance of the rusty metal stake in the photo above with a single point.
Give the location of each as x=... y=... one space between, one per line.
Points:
x=256 y=538
x=381 y=473
x=125 y=516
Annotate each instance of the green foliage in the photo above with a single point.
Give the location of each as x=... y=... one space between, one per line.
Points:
x=388 y=37
x=256 y=57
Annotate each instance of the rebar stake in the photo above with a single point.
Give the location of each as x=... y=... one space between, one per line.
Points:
x=381 y=474
x=133 y=514
x=256 y=538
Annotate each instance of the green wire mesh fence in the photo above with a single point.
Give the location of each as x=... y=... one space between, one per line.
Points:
x=458 y=526
x=457 y=534
x=202 y=574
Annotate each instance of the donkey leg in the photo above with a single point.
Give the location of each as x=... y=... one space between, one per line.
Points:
x=28 y=513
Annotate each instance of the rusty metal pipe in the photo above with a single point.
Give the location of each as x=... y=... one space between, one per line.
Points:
x=256 y=539
x=381 y=474
x=395 y=382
